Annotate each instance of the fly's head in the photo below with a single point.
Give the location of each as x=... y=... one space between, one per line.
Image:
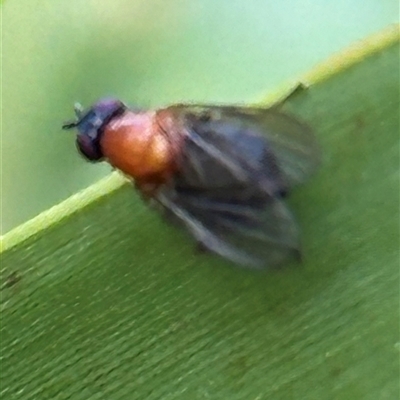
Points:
x=90 y=124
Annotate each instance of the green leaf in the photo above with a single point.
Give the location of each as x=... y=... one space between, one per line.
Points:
x=102 y=299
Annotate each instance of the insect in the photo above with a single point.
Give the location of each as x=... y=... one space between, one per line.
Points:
x=221 y=172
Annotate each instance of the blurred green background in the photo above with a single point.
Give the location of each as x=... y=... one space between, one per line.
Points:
x=149 y=53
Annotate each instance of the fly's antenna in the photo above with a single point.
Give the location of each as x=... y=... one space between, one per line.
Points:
x=69 y=125
x=78 y=109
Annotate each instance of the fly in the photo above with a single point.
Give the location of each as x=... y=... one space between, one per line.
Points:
x=221 y=172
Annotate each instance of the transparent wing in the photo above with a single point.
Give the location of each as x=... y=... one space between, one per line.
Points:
x=235 y=166
x=250 y=233
x=264 y=145
x=293 y=143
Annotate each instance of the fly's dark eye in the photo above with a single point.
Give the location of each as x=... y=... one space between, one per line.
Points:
x=89 y=148
x=90 y=125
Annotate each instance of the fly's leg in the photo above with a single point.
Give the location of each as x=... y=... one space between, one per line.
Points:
x=293 y=92
x=147 y=190
x=297 y=255
x=201 y=248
